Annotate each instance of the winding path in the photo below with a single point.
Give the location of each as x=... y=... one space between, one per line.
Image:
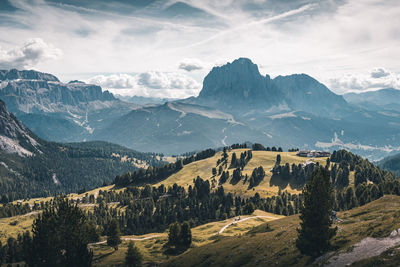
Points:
x=125 y=238
x=242 y=220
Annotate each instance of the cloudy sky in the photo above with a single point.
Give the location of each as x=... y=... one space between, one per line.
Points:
x=164 y=48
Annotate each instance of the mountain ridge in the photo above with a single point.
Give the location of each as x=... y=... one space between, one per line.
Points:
x=240 y=83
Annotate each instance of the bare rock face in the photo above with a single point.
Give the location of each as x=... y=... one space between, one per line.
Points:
x=14 y=74
x=32 y=91
x=239 y=82
x=55 y=110
x=239 y=85
x=14 y=136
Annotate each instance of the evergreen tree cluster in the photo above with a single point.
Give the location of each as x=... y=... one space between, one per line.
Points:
x=256 y=177
x=260 y=147
x=238 y=146
x=245 y=157
x=236 y=176
x=159 y=173
x=60 y=237
x=152 y=209
x=149 y=175
x=180 y=235
x=208 y=153
x=76 y=166
x=224 y=177
x=295 y=174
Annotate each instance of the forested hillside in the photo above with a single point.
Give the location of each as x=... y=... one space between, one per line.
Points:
x=32 y=167
x=391 y=163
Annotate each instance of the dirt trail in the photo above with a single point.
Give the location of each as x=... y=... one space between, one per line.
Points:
x=126 y=238
x=366 y=248
x=242 y=220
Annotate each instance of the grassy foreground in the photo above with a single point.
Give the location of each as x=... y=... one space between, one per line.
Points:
x=262 y=247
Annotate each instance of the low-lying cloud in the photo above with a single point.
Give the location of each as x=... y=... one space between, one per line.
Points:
x=191 y=64
x=378 y=78
x=32 y=52
x=379 y=73
x=151 y=83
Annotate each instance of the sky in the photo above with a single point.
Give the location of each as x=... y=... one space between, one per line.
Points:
x=164 y=48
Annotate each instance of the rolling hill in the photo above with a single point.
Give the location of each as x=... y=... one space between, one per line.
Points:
x=266 y=159
x=264 y=247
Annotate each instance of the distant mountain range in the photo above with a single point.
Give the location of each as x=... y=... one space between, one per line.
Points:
x=30 y=166
x=388 y=99
x=236 y=104
x=57 y=111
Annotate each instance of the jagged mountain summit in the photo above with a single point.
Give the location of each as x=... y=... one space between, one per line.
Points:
x=239 y=83
x=240 y=86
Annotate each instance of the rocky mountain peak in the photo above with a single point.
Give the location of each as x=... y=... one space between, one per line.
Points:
x=15 y=74
x=239 y=82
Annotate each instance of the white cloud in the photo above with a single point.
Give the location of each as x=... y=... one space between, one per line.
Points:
x=282 y=37
x=379 y=73
x=32 y=52
x=151 y=83
x=115 y=81
x=190 y=64
x=376 y=79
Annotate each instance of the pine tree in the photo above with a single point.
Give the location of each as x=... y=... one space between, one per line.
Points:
x=315 y=232
x=133 y=257
x=114 y=234
x=174 y=234
x=278 y=159
x=185 y=235
x=59 y=237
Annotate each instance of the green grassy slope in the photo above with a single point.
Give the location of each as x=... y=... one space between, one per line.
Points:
x=260 y=248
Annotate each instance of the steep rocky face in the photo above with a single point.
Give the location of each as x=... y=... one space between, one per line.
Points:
x=239 y=82
x=14 y=136
x=59 y=111
x=39 y=95
x=14 y=74
x=304 y=93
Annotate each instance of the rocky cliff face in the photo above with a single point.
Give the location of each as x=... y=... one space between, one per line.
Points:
x=304 y=93
x=240 y=83
x=14 y=74
x=47 y=94
x=58 y=111
x=14 y=136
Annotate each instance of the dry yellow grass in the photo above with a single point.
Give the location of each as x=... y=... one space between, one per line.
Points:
x=152 y=249
x=12 y=226
x=266 y=159
x=277 y=247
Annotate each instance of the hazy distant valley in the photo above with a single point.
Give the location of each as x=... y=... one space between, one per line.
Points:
x=236 y=104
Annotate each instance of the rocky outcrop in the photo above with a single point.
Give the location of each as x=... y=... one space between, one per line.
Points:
x=14 y=74
x=14 y=136
x=239 y=85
